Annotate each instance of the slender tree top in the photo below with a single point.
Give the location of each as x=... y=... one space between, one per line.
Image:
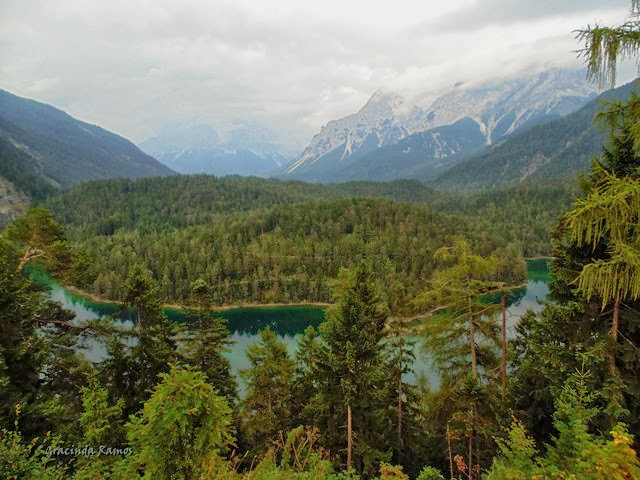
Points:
x=604 y=46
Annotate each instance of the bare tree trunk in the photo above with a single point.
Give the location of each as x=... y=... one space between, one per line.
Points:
x=475 y=416
x=449 y=448
x=138 y=320
x=472 y=341
x=470 y=466
x=615 y=322
x=504 y=346
x=349 y=436
x=399 y=415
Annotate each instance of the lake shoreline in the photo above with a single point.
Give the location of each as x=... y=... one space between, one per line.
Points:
x=174 y=307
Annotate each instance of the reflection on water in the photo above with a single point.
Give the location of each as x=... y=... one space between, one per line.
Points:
x=288 y=322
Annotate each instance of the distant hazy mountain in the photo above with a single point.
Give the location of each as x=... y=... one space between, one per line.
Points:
x=42 y=147
x=559 y=148
x=392 y=138
x=244 y=149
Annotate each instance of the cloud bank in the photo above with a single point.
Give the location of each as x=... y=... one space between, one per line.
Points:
x=136 y=66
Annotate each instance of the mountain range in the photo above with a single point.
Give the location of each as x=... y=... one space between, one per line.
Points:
x=391 y=137
x=473 y=137
x=243 y=148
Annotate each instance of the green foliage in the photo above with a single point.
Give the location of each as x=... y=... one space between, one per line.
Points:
x=266 y=410
x=430 y=473
x=610 y=212
x=39 y=363
x=206 y=342
x=391 y=472
x=40 y=239
x=204 y=349
x=136 y=357
x=16 y=167
x=347 y=368
x=22 y=349
x=98 y=469
x=595 y=249
x=28 y=461
x=254 y=240
x=574 y=453
x=100 y=421
x=604 y=46
x=463 y=340
x=182 y=423
x=463 y=328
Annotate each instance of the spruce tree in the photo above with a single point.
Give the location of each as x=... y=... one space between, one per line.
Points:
x=267 y=407
x=136 y=357
x=206 y=342
x=350 y=376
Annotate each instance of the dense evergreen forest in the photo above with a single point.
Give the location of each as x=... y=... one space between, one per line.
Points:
x=257 y=240
x=163 y=403
x=560 y=400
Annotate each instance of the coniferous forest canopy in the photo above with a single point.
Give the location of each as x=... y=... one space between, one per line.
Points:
x=559 y=399
x=256 y=240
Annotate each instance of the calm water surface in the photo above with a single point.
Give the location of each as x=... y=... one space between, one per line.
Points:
x=245 y=324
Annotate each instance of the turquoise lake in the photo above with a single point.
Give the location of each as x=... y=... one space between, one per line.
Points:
x=245 y=324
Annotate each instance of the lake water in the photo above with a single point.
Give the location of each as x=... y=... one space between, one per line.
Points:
x=245 y=324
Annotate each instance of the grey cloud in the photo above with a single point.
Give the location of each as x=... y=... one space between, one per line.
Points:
x=134 y=66
x=485 y=13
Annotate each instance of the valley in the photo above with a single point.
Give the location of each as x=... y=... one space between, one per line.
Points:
x=352 y=241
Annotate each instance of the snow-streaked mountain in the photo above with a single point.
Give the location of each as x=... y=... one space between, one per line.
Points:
x=242 y=148
x=384 y=119
x=557 y=149
x=391 y=137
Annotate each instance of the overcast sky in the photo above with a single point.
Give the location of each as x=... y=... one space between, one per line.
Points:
x=136 y=66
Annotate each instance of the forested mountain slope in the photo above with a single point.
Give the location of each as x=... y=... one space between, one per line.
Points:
x=43 y=147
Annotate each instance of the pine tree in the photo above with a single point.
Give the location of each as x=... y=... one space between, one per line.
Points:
x=595 y=295
x=40 y=367
x=40 y=239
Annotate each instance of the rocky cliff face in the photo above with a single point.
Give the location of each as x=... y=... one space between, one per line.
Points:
x=13 y=203
x=387 y=119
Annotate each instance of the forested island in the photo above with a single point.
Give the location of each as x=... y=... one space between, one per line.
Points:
x=403 y=270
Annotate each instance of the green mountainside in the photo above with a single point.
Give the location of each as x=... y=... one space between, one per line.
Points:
x=42 y=147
